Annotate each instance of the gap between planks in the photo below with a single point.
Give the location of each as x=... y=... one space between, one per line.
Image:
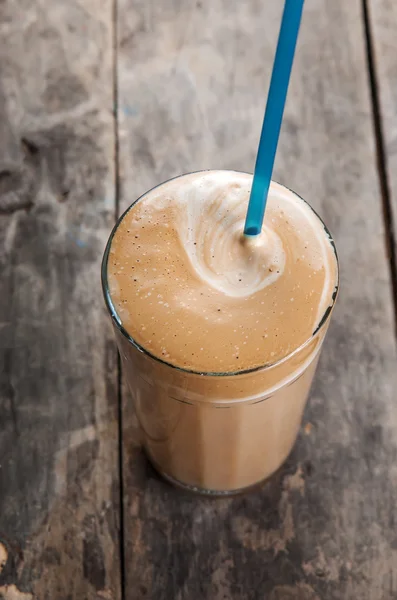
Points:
x=119 y=373
x=388 y=221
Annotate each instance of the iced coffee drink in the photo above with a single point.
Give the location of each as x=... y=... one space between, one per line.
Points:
x=219 y=334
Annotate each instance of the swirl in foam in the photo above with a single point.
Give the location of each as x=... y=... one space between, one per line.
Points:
x=211 y=232
x=190 y=288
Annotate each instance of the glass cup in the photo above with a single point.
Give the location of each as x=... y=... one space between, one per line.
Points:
x=217 y=433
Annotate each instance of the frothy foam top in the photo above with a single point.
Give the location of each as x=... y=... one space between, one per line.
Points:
x=191 y=289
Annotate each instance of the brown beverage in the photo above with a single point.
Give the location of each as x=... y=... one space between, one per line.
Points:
x=219 y=334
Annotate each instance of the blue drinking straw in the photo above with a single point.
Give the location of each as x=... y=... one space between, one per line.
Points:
x=273 y=115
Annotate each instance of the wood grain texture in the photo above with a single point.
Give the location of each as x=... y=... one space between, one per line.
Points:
x=59 y=487
x=192 y=83
x=383 y=22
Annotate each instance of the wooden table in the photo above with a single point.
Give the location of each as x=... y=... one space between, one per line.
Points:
x=99 y=101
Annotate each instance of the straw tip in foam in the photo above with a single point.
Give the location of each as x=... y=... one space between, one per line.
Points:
x=251 y=240
x=251 y=232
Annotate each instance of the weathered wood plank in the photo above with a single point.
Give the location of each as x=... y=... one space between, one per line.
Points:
x=382 y=16
x=59 y=485
x=192 y=80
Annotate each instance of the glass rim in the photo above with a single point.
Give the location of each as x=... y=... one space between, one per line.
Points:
x=267 y=366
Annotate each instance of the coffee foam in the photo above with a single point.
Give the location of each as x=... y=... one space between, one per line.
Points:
x=191 y=289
